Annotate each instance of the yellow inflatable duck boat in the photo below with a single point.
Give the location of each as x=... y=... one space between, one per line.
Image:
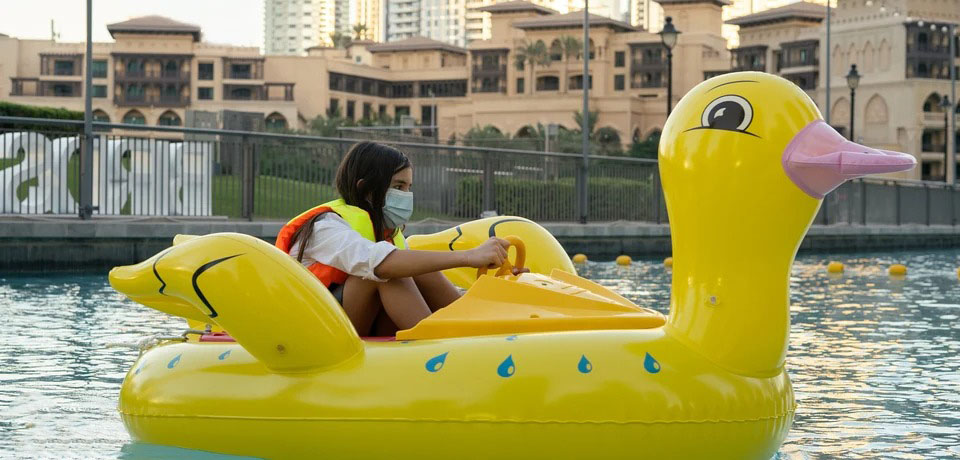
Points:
x=544 y=365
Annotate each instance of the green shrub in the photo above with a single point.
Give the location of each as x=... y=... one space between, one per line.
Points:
x=557 y=199
x=8 y=109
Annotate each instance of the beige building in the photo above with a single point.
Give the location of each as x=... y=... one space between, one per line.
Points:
x=157 y=69
x=901 y=49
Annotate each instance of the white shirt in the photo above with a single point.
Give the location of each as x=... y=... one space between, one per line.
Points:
x=336 y=244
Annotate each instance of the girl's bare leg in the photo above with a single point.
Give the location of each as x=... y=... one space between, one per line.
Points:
x=436 y=289
x=400 y=299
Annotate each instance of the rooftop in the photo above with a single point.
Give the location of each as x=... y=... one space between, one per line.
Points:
x=677 y=2
x=516 y=7
x=416 y=44
x=154 y=25
x=798 y=10
x=574 y=19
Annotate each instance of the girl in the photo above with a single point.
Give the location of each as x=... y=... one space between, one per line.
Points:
x=351 y=244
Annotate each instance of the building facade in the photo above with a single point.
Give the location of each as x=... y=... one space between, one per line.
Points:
x=158 y=69
x=901 y=49
x=290 y=27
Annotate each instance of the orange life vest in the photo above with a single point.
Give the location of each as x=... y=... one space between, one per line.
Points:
x=357 y=218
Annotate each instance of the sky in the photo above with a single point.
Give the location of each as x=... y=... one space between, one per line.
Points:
x=235 y=22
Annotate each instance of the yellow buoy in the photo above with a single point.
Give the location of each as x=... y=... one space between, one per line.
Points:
x=579 y=258
x=898 y=270
x=624 y=260
x=668 y=262
x=835 y=267
x=958 y=273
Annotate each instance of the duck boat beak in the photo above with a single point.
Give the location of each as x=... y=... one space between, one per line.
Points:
x=818 y=159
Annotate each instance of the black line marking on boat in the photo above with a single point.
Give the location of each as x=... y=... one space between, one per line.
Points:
x=163 y=284
x=493 y=227
x=196 y=274
x=459 y=234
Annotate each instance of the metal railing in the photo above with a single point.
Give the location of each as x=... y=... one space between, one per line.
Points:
x=173 y=171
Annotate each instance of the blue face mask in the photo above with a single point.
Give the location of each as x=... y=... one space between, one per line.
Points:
x=397 y=208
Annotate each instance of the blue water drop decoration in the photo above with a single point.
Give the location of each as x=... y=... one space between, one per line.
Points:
x=137 y=372
x=173 y=362
x=507 y=368
x=584 y=366
x=224 y=355
x=650 y=364
x=436 y=363
x=511 y=338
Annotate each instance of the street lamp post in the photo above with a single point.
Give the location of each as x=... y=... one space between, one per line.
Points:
x=853 y=80
x=946 y=106
x=669 y=36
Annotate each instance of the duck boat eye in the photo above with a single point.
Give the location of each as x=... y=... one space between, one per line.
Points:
x=730 y=112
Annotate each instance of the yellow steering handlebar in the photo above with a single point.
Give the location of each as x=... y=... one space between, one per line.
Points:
x=507 y=267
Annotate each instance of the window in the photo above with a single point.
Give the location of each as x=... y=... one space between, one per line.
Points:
x=576 y=82
x=548 y=83
x=134 y=91
x=367 y=110
x=520 y=86
x=63 y=90
x=334 y=108
x=169 y=119
x=101 y=116
x=240 y=71
x=618 y=82
x=351 y=112
x=99 y=91
x=243 y=94
x=275 y=122
x=99 y=68
x=205 y=71
x=205 y=94
x=382 y=111
x=134 y=117
x=401 y=111
x=619 y=59
x=61 y=67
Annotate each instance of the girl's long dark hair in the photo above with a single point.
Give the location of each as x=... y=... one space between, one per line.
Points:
x=363 y=178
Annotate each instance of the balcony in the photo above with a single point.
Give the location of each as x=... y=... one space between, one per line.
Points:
x=152 y=75
x=156 y=100
x=495 y=69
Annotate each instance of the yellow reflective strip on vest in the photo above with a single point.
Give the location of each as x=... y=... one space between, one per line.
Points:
x=359 y=220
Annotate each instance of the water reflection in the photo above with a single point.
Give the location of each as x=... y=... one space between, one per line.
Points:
x=873 y=359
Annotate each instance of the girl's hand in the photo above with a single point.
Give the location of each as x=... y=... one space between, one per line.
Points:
x=491 y=254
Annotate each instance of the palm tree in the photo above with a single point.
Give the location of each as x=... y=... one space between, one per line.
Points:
x=532 y=53
x=592 y=121
x=571 y=46
x=359 y=30
x=340 y=40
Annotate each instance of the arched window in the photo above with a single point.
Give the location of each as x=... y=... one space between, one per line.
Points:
x=275 y=121
x=636 y=135
x=100 y=115
x=134 y=67
x=556 y=51
x=592 y=53
x=932 y=103
x=526 y=131
x=169 y=118
x=134 y=117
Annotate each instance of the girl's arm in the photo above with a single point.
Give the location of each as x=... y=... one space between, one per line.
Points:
x=402 y=264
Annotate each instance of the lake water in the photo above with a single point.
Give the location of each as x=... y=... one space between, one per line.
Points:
x=874 y=360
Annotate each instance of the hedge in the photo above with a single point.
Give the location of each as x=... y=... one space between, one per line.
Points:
x=557 y=200
x=8 y=109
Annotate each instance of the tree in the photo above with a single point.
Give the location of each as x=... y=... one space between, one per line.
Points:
x=532 y=53
x=327 y=126
x=571 y=46
x=340 y=40
x=359 y=31
x=485 y=136
x=578 y=119
x=646 y=148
